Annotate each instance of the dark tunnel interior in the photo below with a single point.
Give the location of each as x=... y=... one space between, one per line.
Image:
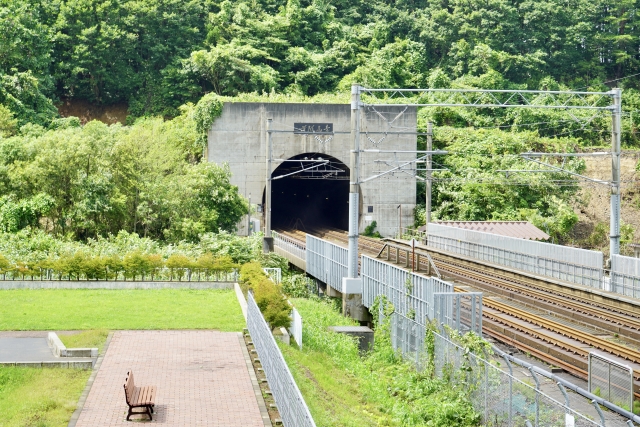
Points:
x=313 y=199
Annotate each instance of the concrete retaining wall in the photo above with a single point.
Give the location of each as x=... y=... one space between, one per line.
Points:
x=238 y=137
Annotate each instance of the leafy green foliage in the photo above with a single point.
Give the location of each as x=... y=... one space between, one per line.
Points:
x=296 y=286
x=206 y=111
x=268 y=296
x=474 y=188
x=370 y=230
x=157 y=55
x=388 y=391
x=96 y=179
x=7 y=123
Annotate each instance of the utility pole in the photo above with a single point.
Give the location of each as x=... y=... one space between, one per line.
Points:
x=354 y=188
x=249 y=217
x=616 y=119
x=427 y=180
x=267 y=243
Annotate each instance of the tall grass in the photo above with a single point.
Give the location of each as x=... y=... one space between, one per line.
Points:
x=343 y=388
x=39 y=397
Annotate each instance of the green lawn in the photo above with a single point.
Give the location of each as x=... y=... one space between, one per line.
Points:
x=73 y=309
x=91 y=338
x=39 y=397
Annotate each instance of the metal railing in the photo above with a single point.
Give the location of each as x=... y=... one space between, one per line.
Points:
x=586 y=275
x=326 y=261
x=164 y=274
x=496 y=395
x=459 y=310
x=293 y=246
x=407 y=233
x=291 y=405
x=412 y=295
x=275 y=274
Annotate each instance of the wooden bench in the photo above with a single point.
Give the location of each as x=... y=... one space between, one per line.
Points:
x=139 y=397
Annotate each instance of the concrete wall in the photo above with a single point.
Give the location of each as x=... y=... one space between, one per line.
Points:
x=238 y=137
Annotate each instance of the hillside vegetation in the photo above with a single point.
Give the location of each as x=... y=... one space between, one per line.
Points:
x=160 y=57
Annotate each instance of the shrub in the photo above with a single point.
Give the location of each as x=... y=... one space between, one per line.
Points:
x=250 y=273
x=136 y=264
x=177 y=263
x=296 y=286
x=155 y=262
x=370 y=230
x=268 y=296
x=5 y=265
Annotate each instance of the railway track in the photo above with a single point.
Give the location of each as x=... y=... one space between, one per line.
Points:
x=554 y=339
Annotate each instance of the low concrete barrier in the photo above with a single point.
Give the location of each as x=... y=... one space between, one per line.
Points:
x=60 y=350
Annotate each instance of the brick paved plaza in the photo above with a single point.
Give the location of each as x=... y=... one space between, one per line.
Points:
x=201 y=377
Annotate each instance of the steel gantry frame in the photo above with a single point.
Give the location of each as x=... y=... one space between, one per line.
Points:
x=482 y=98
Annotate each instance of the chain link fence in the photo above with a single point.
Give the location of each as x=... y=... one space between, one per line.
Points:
x=500 y=398
x=291 y=404
x=611 y=380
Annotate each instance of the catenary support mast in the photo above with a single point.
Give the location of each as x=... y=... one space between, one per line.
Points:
x=354 y=189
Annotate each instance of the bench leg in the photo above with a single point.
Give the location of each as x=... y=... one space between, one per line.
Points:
x=149 y=411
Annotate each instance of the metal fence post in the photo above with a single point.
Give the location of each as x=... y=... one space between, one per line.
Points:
x=504 y=356
x=486 y=392
x=599 y=411
x=566 y=396
x=535 y=377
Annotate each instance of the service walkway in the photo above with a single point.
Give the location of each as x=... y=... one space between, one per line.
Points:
x=202 y=379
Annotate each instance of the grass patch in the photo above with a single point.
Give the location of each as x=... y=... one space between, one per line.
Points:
x=344 y=389
x=39 y=397
x=86 y=339
x=81 y=309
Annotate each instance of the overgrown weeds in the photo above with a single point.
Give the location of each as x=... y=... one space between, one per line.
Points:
x=343 y=388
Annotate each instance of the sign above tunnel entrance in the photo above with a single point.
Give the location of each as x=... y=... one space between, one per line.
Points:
x=313 y=128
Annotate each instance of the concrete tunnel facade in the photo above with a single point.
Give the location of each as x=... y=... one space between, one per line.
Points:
x=239 y=138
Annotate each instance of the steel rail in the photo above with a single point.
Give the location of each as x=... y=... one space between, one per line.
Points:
x=586 y=338
x=375 y=246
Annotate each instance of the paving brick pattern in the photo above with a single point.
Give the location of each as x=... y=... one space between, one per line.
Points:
x=201 y=378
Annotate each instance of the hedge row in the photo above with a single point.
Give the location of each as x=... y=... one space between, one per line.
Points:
x=268 y=296
x=133 y=265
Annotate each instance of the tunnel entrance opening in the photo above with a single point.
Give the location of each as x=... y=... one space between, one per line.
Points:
x=310 y=192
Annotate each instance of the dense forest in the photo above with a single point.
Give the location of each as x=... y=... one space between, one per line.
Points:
x=156 y=55
x=160 y=57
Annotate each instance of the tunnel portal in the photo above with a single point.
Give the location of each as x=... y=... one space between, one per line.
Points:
x=310 y=192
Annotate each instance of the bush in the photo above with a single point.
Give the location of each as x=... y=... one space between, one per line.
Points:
x=268 y=296
x=177 y=263
x=296 y=286
x=370 y=230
